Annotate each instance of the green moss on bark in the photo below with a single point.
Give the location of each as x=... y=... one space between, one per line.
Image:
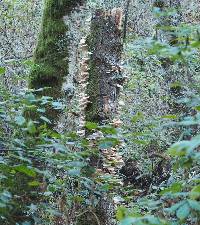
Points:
x=51 y=54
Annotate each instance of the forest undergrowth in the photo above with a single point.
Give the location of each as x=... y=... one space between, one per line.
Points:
x=140 y=166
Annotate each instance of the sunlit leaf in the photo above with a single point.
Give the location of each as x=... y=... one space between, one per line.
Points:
x=2 y=70
x=26 y=170
x=91 y=126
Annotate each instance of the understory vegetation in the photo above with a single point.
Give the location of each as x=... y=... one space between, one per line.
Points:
x=137 y=160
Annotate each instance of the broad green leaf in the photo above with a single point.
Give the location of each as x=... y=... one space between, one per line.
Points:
x=26 y=223
x=182 y=148
x=57 y=105
x=26 y=170
x=195 y=205
x=183 y=212
x=20 y=120
x=2 y=70
x=195 y=192
x=137 y=117
x=28 y=62
x=34 y=183
x=197 y=108
x=91 y=126
x=32 y=207
x=30 y=97
x=153 y=220
x=121 y=213
x=108 y=143
x=169 y=117
x=176 y=187
x=74 y=172
x=108 y=130
x=45 y=119
x=76 y=164
x=41 y=110
x=5 y=196
x=140 y=142
x=31 y=127
x=173 y=208
x=179 y=148
x=130 y=221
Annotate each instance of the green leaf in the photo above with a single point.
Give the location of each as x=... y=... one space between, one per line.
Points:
x=169 y=117
x=30 y=97
x=108 y=130
x=121 y=213
x=74 y=172
x=176 y=187
x=33 y=208
x=76 y=164
x=31 y=127
x=34 y=183
x=108 y=143
x=45 y=119
x=41 y=110
x=140 y=142
x=5 y=196
x=197 y=108
x=20 y=120
x=183 y=212
x=28 y=62
x=129 y=221
x=182 y=148
x=57 y=105
x=91 y=126
x=153 y=220
x=26 y=170
x=173 y=208
x=105 y=145
x=137 y=117
x=195 y=192
x=2 y=70
x=194 y=205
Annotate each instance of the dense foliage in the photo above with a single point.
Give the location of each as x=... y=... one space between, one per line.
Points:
x=51 y=177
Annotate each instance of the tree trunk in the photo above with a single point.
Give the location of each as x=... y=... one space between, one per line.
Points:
x=105 y=77
x=51 y=54
x=104 y=82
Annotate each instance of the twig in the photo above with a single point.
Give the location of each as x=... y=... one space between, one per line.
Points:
x=96 y=217
x=94 y=214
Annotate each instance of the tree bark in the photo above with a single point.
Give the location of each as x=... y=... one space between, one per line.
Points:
x=105 y=76
x=51 y=53
x=105 y=44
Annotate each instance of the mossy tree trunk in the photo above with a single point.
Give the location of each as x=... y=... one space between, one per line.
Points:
x=105 y=79
x=51 y=53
